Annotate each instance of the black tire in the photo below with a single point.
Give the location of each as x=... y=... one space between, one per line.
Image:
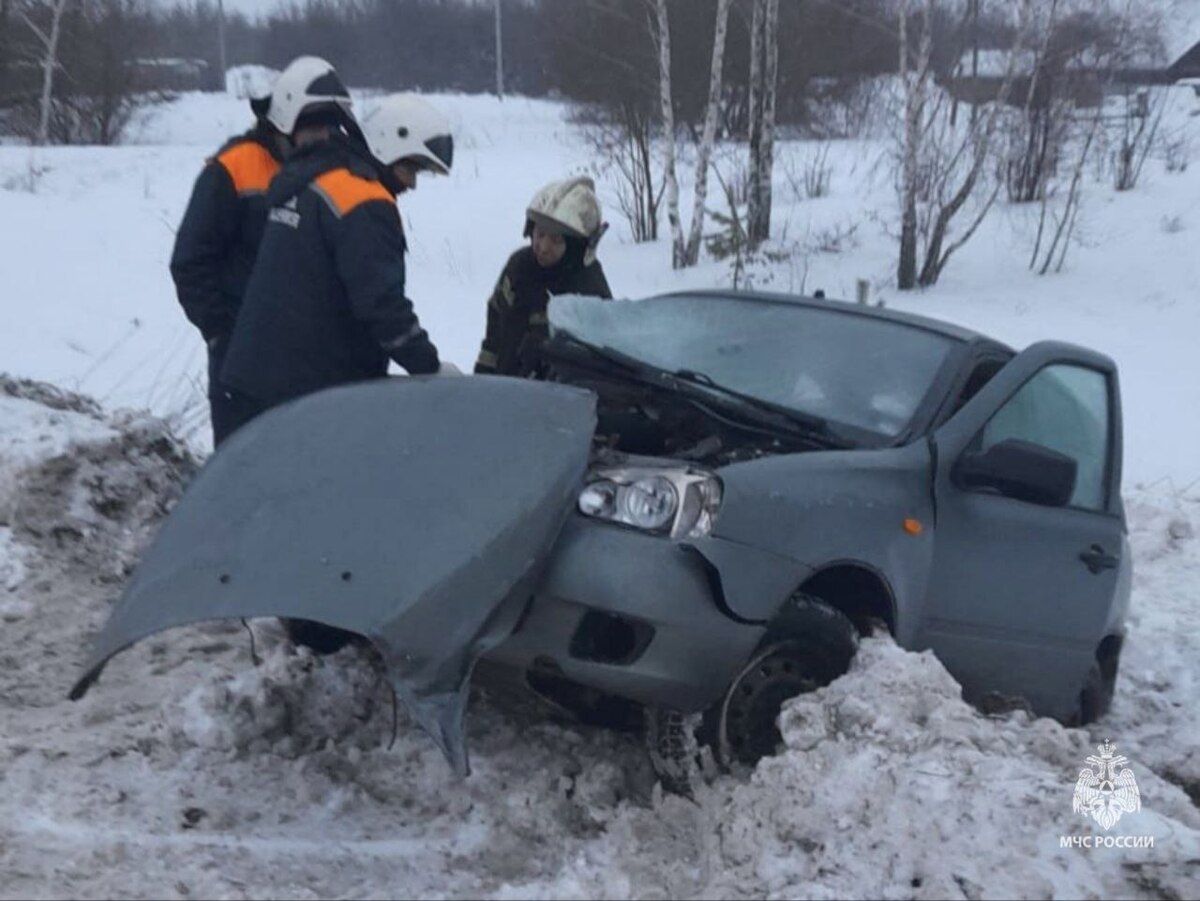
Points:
x=808 y=646
x=1097 y=695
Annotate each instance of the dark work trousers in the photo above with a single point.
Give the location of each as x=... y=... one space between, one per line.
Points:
x=229 y=410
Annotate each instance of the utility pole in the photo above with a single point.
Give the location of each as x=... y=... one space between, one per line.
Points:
x=221 y=41
x=499 y=53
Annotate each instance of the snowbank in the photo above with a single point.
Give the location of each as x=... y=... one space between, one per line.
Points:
x=895 y=787
x=80 y=487
x=32 y=433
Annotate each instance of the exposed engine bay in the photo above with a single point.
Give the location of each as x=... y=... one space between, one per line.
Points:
x=641 y=421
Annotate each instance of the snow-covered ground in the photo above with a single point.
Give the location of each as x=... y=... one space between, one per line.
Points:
x=190 y=772
x=93 y=307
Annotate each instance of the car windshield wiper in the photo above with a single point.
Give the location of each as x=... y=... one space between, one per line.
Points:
x=607 y=354
x=809 y=425
x=812 y=428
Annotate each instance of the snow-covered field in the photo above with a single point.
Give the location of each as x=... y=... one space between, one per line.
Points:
x=93 y=307
x=190 y=772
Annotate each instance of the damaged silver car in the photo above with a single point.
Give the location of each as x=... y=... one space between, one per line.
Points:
x=715 y=498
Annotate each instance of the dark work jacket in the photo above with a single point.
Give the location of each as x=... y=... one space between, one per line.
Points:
x=326 y=303
x=517 y=326
x=218 y=240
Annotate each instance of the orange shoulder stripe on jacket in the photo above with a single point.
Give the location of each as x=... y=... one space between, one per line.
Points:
x=250 y=166
x=345 y=191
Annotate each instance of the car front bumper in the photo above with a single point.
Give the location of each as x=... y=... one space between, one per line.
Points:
x=636 y=616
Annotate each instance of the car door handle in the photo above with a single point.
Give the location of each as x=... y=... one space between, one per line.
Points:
x=1097 y=560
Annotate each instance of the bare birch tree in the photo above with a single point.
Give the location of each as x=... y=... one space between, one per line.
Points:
x=764 y=84
x=914 y=82
x=48 y=42
x=663 y=38
x=708 y=138
x=687 y=253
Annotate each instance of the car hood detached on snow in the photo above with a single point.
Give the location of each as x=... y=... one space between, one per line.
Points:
x=415 y=512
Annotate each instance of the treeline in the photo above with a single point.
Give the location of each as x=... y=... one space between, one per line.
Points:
x=603 y=52
x=96 y=53
x=598 y=52
x=581 y=49
x=389 y=44
x=591 y=50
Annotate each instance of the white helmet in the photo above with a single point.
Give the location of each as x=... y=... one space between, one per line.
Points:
x=307 y=85
x=569 y=208
x=405 y=127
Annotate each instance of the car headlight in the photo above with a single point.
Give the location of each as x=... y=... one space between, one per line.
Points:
x=682 y=503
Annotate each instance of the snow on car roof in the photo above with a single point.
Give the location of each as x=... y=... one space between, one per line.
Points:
x=940 y=326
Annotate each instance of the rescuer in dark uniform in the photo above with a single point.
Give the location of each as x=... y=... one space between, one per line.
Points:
x=217 y=242
x=564 y=228
x=326 y=304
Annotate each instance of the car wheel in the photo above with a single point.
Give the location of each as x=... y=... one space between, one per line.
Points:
x=810 y=645
x=1096 y=697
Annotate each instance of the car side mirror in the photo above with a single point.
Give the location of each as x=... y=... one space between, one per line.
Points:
x=1021 y=470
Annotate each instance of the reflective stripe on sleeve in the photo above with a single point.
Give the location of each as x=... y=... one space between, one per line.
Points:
x=396 y=343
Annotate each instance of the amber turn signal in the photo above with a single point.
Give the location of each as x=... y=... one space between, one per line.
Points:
x=913 y=526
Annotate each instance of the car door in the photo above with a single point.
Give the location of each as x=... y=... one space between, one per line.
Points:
x=1020 y=593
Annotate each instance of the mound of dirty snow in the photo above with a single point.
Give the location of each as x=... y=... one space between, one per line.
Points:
x=291 y=704
x=201 y=765
x=80 y=486
x=892 y=786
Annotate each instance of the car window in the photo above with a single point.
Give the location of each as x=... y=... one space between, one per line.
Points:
x=1064 y=408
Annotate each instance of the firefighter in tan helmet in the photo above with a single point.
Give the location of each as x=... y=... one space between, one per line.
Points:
x=564 y=227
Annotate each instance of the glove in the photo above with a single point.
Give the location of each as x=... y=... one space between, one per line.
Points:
x=449 y=369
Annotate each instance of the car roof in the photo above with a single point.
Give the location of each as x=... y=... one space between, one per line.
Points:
x=949 y=330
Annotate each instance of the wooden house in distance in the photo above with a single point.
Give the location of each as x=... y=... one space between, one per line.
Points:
x=1187 y=67
x=1185 y=71
x=1085 y=82
x=1077 y=74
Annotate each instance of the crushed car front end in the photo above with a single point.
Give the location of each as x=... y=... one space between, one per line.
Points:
x=641 y=616
x=612 y=540
x=717 y=419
